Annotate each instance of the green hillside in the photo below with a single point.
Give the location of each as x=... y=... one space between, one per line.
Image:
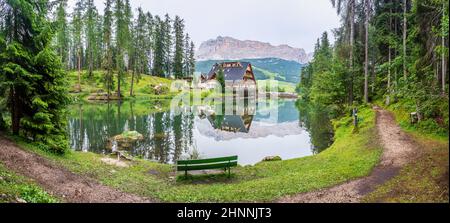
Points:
x=264 y=69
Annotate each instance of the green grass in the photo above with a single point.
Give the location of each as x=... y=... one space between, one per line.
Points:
x=14 y=187
x=141 y=89
x=353 y=155
x=282 y=85
x=268 y=74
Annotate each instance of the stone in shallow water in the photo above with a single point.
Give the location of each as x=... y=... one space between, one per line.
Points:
x=160 y=135
x=130 y=135
x=126 y=139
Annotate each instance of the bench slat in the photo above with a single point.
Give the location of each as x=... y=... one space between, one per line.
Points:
x=207 y=166
x=203 y=161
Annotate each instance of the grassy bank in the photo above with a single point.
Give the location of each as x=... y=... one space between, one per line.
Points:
x=425 y=179
x=15 y=188
x=142 y=89
x=353 y=155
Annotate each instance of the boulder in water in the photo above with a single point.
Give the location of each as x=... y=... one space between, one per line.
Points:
x=126 y=139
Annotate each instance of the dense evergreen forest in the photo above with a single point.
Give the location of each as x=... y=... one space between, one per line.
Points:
x=389 y=52
x=40 y=41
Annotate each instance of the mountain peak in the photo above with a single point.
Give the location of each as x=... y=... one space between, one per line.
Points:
x=229 y=48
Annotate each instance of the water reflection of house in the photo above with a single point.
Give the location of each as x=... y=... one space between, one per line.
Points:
x=236 y=75
x=231 y=123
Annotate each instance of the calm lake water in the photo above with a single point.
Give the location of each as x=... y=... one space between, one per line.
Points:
x=259 y=130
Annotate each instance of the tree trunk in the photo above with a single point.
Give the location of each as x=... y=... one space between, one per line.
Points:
x=388 y=98
x=91 y=65
x=443 y=66
x=79 y=70
x=15 y=113
x=436 y=72
x=366 y=63
x=352 y=32
x=132 y=83
x=118 y=82
x=373 y=77
x=404 y=37
x=394 y=54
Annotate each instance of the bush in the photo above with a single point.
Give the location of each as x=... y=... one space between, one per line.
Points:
x=431 y=126
x=33 y=194
x=57 y=144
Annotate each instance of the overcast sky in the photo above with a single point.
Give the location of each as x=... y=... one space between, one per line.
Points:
x=297 y=23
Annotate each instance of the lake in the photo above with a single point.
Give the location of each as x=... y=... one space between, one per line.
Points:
x=253 y=131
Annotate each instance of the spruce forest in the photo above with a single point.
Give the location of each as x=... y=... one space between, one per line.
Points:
x=40 y=42
x=394 y=52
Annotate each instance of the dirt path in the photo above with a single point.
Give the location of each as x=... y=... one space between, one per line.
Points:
x=58 y=181
x=398 y=150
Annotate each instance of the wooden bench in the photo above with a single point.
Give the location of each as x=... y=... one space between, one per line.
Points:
x=224 y=163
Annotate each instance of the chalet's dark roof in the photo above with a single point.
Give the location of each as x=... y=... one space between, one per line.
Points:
x=232 y=123
x=230 y=73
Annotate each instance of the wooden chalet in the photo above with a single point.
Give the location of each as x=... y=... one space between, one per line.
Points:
x=236 y=74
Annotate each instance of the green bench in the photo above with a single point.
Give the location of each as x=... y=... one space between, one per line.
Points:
x=224 y=163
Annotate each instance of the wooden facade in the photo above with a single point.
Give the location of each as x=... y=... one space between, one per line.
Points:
x=236 y=73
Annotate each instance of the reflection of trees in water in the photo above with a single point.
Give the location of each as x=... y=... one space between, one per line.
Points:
x=316 y=119
x=166 y=135
x=94 y=126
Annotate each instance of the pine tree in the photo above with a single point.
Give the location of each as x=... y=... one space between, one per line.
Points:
x=150 y=32
x=191 y=60
x=167 y=45
x=127 y=27
x=141 y=42
x=132 y=52
x=77 y=24
x=367 y=7
x=99 y=47
x=186 y=49
x=32 y=75
x=139 y=48
x=178 y=27
x=121 y=55
x=159 y=49
x=405 y=33
x=107 y=63
x=91 y=37
x=62 y=33
x=444 y=35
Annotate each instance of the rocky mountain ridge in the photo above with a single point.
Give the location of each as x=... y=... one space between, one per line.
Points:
x=228 y=48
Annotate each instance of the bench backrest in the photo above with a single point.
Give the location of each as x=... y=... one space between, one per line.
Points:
x=207 y=164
